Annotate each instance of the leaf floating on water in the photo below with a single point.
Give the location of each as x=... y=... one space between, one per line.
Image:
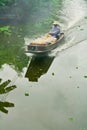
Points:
x=85 y=17
x=52 y=73
x=26 y=94
x=81 y=29
x=70 y=118
x=84 y=128
x=85 y=76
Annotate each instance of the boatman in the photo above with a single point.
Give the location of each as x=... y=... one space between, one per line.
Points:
x=55 y=30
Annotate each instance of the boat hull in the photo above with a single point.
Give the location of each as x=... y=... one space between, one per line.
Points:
x=37 y=49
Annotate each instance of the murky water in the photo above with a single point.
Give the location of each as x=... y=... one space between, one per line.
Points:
x=51 y=91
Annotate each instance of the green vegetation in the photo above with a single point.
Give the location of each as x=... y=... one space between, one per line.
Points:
x=6 y=30
x=85 y=76
x=31 y=18
x=5 y=88
x=85 y=17
x=84 y=128
x=53 y=74
x=26 y=94
x=6 y=2
x=11 y=47
x=70 y=118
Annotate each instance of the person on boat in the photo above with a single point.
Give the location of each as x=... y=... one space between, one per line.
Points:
x=55 y=30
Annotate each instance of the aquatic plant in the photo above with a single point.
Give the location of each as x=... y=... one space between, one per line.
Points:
x=6 y=30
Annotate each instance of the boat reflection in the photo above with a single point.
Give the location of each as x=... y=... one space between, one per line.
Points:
x=4 y=89
x=38 y=66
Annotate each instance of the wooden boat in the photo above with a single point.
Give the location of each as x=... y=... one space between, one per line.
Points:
x=43 y=48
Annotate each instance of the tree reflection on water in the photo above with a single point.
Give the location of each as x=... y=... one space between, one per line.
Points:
x=5 y=104
x=5 y=88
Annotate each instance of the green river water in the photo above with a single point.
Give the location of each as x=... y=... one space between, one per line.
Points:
x=49 y=92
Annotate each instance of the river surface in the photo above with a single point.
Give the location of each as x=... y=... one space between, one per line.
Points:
x=51 y=91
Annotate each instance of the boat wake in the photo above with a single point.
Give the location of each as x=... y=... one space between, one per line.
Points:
x=73 y=23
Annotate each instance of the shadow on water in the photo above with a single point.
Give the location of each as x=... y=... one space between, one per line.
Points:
x=5 y=89
x=38 y=66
